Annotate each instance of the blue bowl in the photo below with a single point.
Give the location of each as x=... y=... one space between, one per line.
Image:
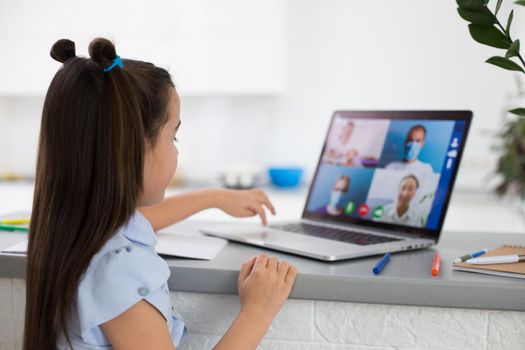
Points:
x=285 y=177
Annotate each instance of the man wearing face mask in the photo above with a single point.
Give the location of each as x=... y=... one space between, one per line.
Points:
x=414 y=142
x=341 y=187
x=402 y=210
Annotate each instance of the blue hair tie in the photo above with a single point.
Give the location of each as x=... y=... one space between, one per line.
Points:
x=116 y=62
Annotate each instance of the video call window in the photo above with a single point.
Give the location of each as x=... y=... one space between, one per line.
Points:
x=400 y=197
x=382 y=170
x=356 y=143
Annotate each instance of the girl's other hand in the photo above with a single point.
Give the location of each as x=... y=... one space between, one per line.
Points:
x=244 y=203
x=264 y=285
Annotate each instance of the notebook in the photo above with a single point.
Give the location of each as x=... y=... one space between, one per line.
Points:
x=516 y=270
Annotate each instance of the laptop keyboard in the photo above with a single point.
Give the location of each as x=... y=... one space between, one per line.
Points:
x=358 y=238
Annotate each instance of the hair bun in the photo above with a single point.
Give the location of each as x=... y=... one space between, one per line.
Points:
x=63 y=50
x=102 y=51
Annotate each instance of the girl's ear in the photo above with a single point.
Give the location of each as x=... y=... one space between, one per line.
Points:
x=148 y=146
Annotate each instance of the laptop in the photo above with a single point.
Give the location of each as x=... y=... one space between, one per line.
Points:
x=382 y=184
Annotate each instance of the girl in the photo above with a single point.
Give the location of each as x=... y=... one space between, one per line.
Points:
x=106 y=148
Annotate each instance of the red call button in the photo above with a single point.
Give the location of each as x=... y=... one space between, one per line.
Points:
x=363 y=210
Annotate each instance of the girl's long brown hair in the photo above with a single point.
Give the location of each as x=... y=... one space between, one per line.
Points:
x=89 y=174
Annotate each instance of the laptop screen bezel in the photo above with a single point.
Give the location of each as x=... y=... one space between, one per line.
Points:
x=462 y=115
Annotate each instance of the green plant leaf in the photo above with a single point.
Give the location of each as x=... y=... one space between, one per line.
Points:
x=504 y=63
x=521 y=2
x=498 y=5
x=509 y=21
x=489 y=36
x=514 y=49
x=481 y=17
x=471 y=4
x=518 y=111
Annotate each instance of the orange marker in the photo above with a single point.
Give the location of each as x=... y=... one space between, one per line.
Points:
x=435 y=265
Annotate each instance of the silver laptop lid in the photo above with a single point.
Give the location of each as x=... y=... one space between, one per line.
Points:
x=391 y=170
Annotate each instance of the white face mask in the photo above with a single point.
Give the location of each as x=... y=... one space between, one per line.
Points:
x=335 y=198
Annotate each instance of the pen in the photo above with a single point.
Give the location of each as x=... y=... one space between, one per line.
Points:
x=470 y=256
x=381 y=263
x=435 y=265
x=14 y=221
x=502 y=259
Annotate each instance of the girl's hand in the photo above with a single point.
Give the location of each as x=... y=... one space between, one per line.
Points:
x=244 y=203
x=264 y=285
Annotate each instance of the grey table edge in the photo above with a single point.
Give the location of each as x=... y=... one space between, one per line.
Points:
x=349 y=281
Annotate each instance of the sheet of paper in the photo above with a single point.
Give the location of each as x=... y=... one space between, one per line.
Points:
x=195 y=246
x=19 y=248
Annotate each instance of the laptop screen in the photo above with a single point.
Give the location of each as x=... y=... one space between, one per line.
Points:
x=391 y=170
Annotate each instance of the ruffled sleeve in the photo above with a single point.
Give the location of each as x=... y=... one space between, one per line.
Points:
x=118 y=277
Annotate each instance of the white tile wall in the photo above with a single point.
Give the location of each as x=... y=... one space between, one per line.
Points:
x=7 y=322
x=320 y=325
x=506 y=330
x=304 y=324
x=6 y=298
x=399 y=325
x=7 y=334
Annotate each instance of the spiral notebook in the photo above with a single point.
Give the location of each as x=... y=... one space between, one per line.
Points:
x=516 y=270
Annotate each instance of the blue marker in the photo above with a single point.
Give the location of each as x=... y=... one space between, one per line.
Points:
x=470 y=256
x=381 y=263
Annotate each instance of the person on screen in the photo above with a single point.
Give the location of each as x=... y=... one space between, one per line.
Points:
x=414 y=143
x=340 y=151
x=340 y=188
x=403 y=211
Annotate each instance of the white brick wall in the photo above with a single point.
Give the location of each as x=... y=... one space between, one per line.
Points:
x=12 y=304
x=306 y=324
x=319 y=325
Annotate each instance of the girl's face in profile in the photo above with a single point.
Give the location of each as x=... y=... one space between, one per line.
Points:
x=161 y=160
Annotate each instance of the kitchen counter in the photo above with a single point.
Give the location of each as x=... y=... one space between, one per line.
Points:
x=338 y=305
x=406 y=279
